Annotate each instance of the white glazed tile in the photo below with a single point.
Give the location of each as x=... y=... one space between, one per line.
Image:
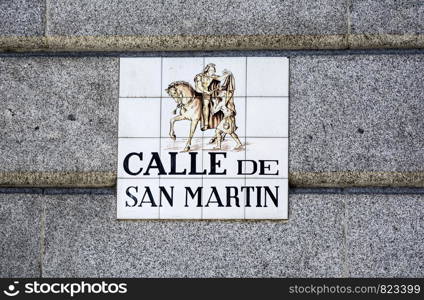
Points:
x=180 y=69
x=268 y=149
x=265 y=109
x=240 y=104
x=267 y=208
x=226 y=158
x=182 y=127
x=137 y=145
x=142 y=207
x=184 y=206
x=140 y=77
x=211 y=209
x=136 y=111
x=183 y=159
x=267 y=76
x=237 y=66
x=267 y=117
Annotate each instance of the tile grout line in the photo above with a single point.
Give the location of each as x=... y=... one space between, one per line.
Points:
x=245 y=128
x=371 y=190
x=203 y=144
x=160 y=124
x=119 y=139
x=153 y=97
x=199 y=177
x=182 y=136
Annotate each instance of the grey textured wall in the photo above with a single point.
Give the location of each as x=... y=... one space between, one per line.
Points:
x=356 y=166
x=327 y=235
x=200 y=25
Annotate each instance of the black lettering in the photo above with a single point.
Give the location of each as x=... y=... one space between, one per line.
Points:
x=169 y=198
x=218 y=199
x=148 y=192
x=131 y=196
x=240 y=167
x=274 y=197
x=230 y=196
x=192 y=195
x=258 y=196
x=216 y=163
x=127 y=161
x=155 y=163
x=264 y=167
x=247 y=188
x=174 y=165
x=193 y=165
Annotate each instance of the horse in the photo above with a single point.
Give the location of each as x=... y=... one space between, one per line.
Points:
x=190 y=104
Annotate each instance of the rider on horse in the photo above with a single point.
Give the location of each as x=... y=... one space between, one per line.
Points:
x=207 y=84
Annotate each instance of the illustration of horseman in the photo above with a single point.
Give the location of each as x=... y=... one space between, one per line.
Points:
x=207 y=84
x=210 y=102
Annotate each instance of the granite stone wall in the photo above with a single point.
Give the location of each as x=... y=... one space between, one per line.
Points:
x=218 y=25
x=356 y=155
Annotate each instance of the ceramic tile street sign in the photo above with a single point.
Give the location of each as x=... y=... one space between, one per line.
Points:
x=203 y=138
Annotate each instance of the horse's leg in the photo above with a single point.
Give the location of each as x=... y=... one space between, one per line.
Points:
x=171 y=126
x=193 y=126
